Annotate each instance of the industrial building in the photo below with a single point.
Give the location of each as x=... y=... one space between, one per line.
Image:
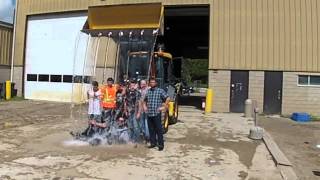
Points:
x=265 y=50
x=6 y=36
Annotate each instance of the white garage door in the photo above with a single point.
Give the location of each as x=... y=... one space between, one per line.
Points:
x=50 y=55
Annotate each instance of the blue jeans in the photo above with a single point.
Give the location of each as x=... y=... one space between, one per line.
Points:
x=144 y=125
x=134 y=131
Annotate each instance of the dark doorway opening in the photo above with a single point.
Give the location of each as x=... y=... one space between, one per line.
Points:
x=186 y=37
x=238 y=90
x=272 y=92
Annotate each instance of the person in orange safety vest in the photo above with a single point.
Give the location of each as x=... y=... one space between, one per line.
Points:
x=108 y=99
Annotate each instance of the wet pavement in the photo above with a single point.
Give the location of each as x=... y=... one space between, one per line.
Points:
x=35 y=144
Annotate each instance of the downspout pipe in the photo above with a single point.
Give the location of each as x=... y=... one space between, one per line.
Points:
x=14 y=39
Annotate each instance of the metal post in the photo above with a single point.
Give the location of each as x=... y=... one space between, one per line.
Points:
x=256 y=110
x=255 y=119
x=209 y=100
x=8 y=90
x=256 y=132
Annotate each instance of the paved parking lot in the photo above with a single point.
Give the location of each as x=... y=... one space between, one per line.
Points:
x=35 y=144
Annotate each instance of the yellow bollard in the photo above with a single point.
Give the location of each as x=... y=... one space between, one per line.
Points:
x=171 y=108
x=8 y=90
x=209 y=100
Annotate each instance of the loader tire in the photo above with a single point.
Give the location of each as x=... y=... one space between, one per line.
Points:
x=174 y=118
x=165 y=122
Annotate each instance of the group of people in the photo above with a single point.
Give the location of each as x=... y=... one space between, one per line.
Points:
x=126 y=112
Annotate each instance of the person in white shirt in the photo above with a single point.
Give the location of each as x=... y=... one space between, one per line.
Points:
x=94 y=98
x=94 y=109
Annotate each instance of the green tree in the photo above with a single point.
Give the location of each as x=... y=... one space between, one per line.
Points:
x=195 y=69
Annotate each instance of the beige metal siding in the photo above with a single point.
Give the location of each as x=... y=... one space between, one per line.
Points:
x=31 y=7
x=279 y=35
x=45 y=6
x=266 y=35
x=5 y=45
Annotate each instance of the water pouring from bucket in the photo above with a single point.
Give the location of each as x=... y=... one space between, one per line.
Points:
x=108 y=127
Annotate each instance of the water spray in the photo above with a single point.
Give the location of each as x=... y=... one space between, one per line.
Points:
x=155 y=35
x=106 y=58
x=76 y=46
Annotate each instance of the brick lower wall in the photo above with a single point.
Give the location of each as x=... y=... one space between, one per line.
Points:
x=4 y=74
x=18 y=79
x=299 y=98
x=256 y=87
x=219 y=81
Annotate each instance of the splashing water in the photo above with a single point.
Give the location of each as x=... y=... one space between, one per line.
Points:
x=74 y=142
x=114 y=135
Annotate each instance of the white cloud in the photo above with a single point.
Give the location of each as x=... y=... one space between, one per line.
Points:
x=6 y=10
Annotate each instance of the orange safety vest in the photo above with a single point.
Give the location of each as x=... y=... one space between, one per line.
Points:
x=109 y=97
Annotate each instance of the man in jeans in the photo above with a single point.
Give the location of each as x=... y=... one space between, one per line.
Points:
x=156 y=101
x=144 y=118
x=134 y=111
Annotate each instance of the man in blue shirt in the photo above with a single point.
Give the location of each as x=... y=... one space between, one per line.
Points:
x=156 y=101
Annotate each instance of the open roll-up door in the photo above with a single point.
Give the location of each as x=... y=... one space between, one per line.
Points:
x=121 y=17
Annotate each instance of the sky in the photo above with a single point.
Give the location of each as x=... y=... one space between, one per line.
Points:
x=7 y=10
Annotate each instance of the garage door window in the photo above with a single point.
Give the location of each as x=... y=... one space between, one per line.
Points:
x=67 y=79
x=78 y=79
x=87 y=79
x=32 y=77
x=43 y=78
x=55 y=78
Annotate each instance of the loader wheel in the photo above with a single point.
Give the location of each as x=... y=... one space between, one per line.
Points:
x=165 y=121
x=174 y=118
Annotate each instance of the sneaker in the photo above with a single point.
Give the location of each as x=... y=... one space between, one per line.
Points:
x=160 y=148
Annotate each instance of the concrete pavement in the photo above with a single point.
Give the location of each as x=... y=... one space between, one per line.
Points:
x=197 y=147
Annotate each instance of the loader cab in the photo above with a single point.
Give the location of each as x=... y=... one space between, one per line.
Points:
x=138 y=67
x=163 y=68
